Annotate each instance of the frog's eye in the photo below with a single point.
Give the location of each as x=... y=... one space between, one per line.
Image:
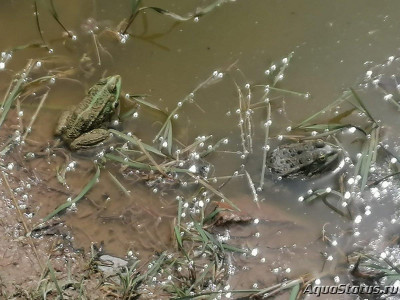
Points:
x=112 y=88
x=322 y=157
x=319 y=144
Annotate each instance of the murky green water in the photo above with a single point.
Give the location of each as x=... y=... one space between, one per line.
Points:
x=333 y=44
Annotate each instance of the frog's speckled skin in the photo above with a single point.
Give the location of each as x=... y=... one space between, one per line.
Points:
x=82 y=127
x=305 y=158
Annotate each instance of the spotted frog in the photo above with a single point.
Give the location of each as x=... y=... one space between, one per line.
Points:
x=306 y=158
x=85 y=125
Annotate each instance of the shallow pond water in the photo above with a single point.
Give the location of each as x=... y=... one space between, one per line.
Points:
x=322 y=48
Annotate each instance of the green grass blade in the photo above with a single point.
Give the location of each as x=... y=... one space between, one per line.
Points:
x=178 y=236
x=134 y=140
x=342 y=98
x=363 y=107
x=144 y=102
x=54 y=279
x=141 y=166
x=169 y=139
x=168 y=13
x=294 y=292
x=55 y=16
x=14 y=91
x=77 y=198
x=119 y=184
x=213 y=190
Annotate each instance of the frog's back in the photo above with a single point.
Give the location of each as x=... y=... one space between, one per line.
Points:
x=303 y=158
x=91 y=113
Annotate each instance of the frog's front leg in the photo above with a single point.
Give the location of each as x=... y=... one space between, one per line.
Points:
x=62 y=122
x=89 y=139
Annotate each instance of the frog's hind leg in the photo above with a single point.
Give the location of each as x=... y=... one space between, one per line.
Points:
x=89 y=139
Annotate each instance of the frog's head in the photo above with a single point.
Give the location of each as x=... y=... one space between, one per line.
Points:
x=323 y=156
x=113 y=84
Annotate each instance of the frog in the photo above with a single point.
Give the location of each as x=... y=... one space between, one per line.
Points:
x=306 y=158
x=85 y=125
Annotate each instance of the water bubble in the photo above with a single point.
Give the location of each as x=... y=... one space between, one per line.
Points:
x=176 y=116
x=193 y=169
x=317 y=281
x=385 y=184
x=196 y=19
x=268 y=123
x=347 y=195
x=51 y=51
x=225 y=141
x=53 y=80
x=266 y=147
x=285 y=60
x=288 y=270
x=273 y=68
x=280 y=137
x=74 y=37
x=254 y=252
x=289 y=128
x=247 y=86
x=352 y=129
x=165 y=144
x=310 y=191
x=307 y=96
x=357 y=219
x=20 y=113
x=10 y=166
x=334 y=243
x=30 y=155
x=220 y=75
x=388 y=97
x=2 y=65
x=301 y=199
